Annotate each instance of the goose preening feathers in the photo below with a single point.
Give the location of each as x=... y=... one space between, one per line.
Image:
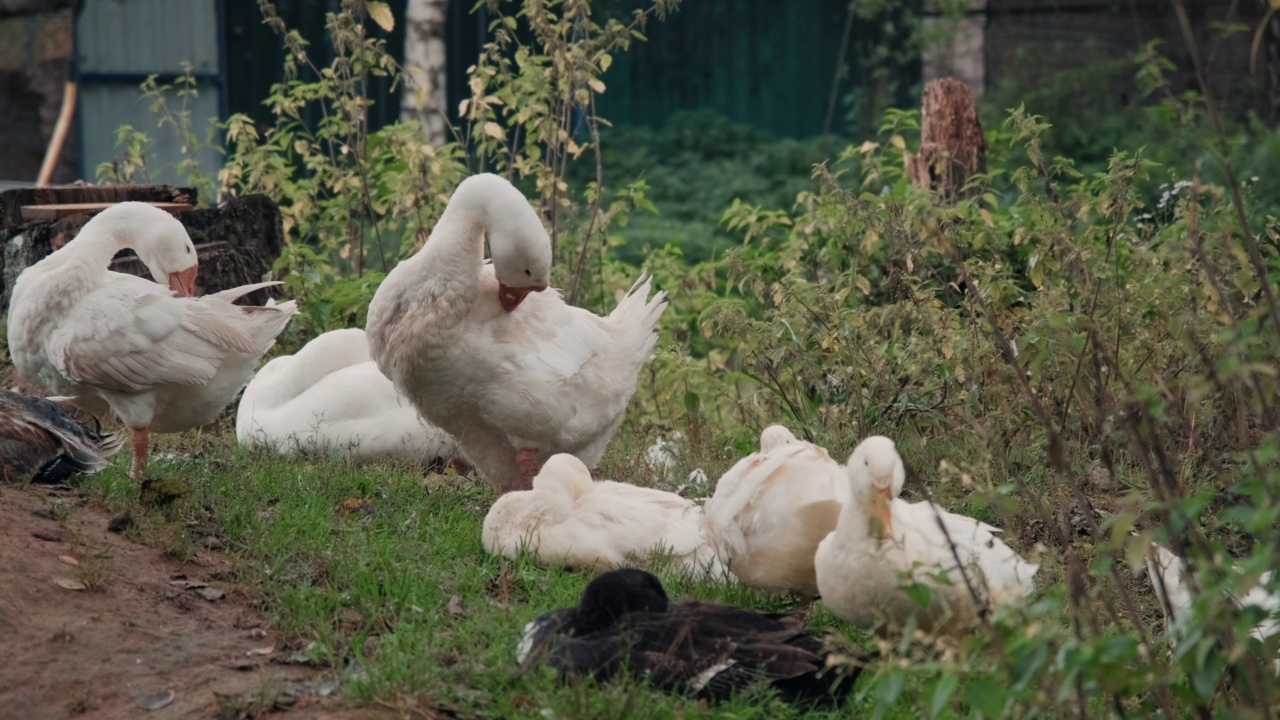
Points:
x=569 y=519
x=882 y=543
x=40 y=442
x=487 y=353
x=625 y=623
x=772 y=508
x=159 y=359
x=331 y=396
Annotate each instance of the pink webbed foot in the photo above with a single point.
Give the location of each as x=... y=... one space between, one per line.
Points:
x=141 y=451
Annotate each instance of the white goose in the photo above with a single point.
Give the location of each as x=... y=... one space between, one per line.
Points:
x=331 y=396
x=567 y=518
x=114 y=341
x=512 y=372
x=1165 y=570
x=772 y=508
x=883 y=543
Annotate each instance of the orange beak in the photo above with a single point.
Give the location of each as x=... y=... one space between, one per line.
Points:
x=183 y=283
x=511 y=297
x=881 y=513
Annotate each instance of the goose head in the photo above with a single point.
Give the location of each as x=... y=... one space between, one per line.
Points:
x=775 y=436
x=562 y=480
x=519 y=245
x=616 y=593
x=876 y=474
x=158 y=238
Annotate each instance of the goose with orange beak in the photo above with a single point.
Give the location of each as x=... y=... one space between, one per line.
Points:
x=883 y=544
x=489 y=353
x=122 y=344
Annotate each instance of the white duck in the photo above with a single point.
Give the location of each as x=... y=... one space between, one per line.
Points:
x=772 y=508
x=512 y=372
x=569 y=519
x=883 y=543
x=1165 y=571
x=114 y=341
x=331 y=396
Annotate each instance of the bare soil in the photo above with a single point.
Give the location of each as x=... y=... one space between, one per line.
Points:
x=99 y=638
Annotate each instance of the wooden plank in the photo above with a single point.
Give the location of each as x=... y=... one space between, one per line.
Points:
x=61 y=210
x=11 y=201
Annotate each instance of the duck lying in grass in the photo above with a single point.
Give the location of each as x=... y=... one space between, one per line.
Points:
x=883 y=543
x=568 y=519
x=626 y=624
x=771 y=510
x=40 y=442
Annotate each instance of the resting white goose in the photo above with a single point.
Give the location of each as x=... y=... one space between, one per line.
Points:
x=1165 y=571
x=883 y=543
x=568 y=519
x=113 y=341
x=772 y=508
x=331 y=396
x=487 y=354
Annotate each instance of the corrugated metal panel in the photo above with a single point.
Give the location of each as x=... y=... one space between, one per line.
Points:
x=104 y=108
x=121 y=42
x=149 y=36
x=765 y=63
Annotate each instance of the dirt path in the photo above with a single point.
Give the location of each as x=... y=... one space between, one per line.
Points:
x=132 y=634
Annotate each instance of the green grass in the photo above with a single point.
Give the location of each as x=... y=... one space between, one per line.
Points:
x=370 y=596
x=374 y=592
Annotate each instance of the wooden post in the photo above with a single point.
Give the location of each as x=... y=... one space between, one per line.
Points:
x=952 y=147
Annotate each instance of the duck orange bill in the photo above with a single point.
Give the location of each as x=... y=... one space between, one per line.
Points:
x=183 y=282
x=881 y=512
x=511 y=297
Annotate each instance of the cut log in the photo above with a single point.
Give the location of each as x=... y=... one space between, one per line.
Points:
x=237 y=243
x=11 y=201
x=32 y=213
x=952 y=146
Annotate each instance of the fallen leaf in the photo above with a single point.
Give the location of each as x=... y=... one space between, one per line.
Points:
x=257 y=633
x=46 y=536
x=160 y=492
x=258 y=652
x=152 y=703
x=70 y=584
x=211 y=594
x=69 y=560
x=353 y=505
x=456 y=607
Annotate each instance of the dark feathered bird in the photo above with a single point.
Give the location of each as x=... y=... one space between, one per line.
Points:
x=40 y=442
x=625 y=624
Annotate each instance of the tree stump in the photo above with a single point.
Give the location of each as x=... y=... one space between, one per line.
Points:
x=952 y=147
x=236 y=244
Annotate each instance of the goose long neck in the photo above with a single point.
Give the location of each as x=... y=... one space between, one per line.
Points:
x=95 y=245
x=456 y=246
x=294 y=376
x=855 y=518
x=69 y=273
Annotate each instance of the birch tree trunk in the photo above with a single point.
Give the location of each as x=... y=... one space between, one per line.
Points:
x=424 y=95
